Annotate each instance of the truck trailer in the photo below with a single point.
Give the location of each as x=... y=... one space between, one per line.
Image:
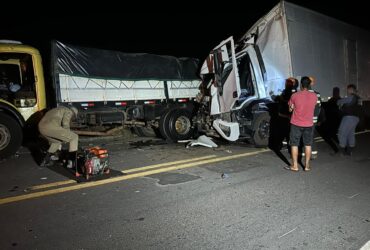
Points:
x=110 y=88
x=240 y=78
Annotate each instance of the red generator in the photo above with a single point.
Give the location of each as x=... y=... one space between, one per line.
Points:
x=94 y=161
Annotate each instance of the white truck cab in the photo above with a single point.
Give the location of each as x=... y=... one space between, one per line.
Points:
x=237 y=95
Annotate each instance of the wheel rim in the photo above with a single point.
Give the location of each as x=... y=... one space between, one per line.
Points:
x=264 y=129
x=182 y=125
x=4 y=137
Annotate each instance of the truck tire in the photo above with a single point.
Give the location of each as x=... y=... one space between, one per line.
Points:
x=163 y=125
x=11 y=136
x=180 y=125
x=261 y=130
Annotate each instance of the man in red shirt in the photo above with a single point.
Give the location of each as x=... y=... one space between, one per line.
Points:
x=302 y=104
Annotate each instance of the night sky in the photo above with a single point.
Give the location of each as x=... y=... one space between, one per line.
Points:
x=182 y=34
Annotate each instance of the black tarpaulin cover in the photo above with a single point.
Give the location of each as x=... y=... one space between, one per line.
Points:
x=99 y=63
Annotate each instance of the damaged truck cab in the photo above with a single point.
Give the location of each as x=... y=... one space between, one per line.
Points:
x=289 y=41
x=233 y=96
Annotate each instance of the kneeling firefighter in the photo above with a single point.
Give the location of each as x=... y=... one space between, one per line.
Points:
x=55 y=127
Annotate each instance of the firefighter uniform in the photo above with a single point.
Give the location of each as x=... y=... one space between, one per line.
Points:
x=55 y=126
x=318 y=118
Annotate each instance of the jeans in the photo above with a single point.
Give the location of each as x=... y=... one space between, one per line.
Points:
x=346 y=131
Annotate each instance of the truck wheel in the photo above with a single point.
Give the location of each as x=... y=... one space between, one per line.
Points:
x=163 y=125
x=180 y=125
x=261 y=130
x=11 y=135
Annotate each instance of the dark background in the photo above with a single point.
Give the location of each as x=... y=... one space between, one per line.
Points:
x=184 y=30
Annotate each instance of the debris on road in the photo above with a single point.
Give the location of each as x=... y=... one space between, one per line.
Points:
x=224 y=176
x=202 y=141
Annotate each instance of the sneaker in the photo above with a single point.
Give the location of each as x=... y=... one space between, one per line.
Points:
x=349 y=151
x=342 y=152
x=45 y=161
x=313 y=155
x=70 y=164
x=54 y=157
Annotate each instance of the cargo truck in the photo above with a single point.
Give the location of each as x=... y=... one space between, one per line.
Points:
x=110 y=88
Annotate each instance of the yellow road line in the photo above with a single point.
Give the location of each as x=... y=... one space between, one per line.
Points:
x=166 y=164
x=125 y=177
x=52 y=184
x=62 y=183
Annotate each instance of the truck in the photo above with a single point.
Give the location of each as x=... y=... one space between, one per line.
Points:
x=232 y=99
x=240 y=78
x=111 y=89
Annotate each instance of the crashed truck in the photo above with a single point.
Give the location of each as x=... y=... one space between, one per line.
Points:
x=111 y=89
x=240 y=78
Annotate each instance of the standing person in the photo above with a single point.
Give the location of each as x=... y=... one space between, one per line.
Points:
x=283 y=121
x=318 y=116
x=329 y=129
x=302 y=104
x=55 y=127
x=351 y=112
x=333 y=113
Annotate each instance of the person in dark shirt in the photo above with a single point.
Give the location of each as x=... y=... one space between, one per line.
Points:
x=283 y=120
x=328 y=130
x=318 y=117
x=350 y=108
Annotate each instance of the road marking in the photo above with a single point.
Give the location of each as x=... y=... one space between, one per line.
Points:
x=165 y=164
x=62 y=183
x=53 y=184
x=125 y=177
x=287 y=233
x=353 y=196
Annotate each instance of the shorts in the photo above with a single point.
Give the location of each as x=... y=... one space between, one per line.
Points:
x=297 y=132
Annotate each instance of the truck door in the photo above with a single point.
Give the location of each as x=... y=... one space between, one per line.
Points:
x=251 y=74
x=225 y=89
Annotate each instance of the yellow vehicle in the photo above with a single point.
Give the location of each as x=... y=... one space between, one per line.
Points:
x=109 y=88
x=19 y=65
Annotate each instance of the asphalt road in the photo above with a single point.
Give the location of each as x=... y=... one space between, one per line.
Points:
x=171 y=197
